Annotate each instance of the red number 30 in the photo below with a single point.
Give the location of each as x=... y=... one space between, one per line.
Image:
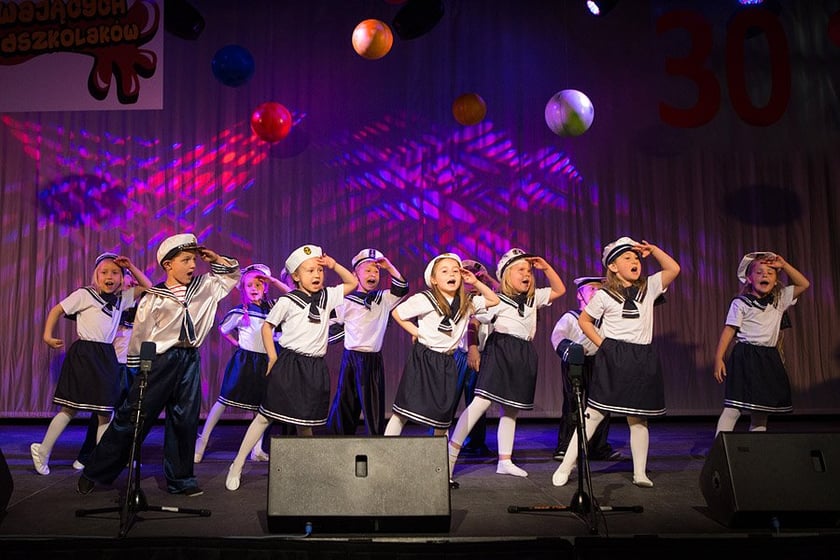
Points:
x=693 y=66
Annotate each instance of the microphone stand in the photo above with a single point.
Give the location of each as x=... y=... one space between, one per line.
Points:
x=135 y=499
x=582 y=504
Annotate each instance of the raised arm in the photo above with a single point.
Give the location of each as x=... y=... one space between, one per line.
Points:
x=554 y=281
x=670 y=267
x=347 y=278
x=800 y=283
x=490 y=297
x=143 y=282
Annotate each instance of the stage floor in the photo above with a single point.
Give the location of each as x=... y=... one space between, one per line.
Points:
x=44 y=506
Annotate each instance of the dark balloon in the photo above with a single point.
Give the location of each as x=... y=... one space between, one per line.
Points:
x=233 y=65
x=417 y=18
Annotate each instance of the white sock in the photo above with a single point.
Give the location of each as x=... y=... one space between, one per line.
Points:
x=639 y=443
x=395 y=425
x=728 y=419
x=506 y=466
x=57 y=425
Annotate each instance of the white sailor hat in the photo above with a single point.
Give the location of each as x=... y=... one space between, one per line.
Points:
x=616 y=248
x=508 y=259
x=301 y=254
x=584 y=280
x=427 y=275
x=366 y=255
x=475 y=267
x=173 y=245
x=257 y=267
x=744 y=265
x=103 y=257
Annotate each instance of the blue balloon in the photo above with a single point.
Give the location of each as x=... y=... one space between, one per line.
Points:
x=233 y=65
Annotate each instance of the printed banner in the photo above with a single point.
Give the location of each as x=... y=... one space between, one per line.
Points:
x=59 y=55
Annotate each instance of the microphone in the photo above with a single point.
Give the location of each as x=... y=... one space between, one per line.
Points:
x=148 y=351
x=574 y=356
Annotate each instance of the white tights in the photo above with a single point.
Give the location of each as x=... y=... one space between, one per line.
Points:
x=729 y=417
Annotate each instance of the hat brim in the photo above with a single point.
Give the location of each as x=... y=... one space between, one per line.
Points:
x=186 y=247
x=501 y=271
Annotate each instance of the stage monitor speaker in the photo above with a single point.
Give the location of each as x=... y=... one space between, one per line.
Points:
x=359 y=484
x=6 y=484
x=761 y=479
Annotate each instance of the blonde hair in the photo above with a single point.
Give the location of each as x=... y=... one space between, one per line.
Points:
x=507 y=289
x=95 y=283
x=245 y=301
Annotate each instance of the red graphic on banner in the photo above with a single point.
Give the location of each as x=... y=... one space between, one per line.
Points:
x=107 y=30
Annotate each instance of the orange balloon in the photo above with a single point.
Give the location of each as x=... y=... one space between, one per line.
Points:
x=372 y=39
x=469 y=109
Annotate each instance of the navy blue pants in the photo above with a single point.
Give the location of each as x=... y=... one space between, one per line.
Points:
x=174 y=385
x=361 y=389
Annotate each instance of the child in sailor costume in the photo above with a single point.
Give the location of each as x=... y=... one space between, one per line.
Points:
x=177 y=316
x=426 y=394
x=508 y=369
x=243 y=386
x=627 y=377
x=567 y=332
x=90 y=373
x=298 y=389
x=755 y=376
x=364 y=316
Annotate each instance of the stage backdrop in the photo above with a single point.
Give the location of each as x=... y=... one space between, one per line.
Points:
x=715 y=133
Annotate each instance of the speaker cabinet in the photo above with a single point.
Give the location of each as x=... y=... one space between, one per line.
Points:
x=355 y=484
x=761 y=479
x=6 y=484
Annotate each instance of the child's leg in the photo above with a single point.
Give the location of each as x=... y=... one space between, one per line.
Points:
x=505 y=434
x=758 y=421
x=255 y=431
x=639 y=443
x=561 y=475
x=40 y=452
x=395 y=425
x=104 y=421
x=212 y=419
x=728 y=419
x=468 y=418
x=257 y=453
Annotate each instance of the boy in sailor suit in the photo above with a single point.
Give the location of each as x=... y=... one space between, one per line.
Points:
x=176 y=315
x=364 y=314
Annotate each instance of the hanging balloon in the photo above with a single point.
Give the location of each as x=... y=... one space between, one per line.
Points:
x=569 y=113
x=417 y=18
x=372 y=39
x=233 y=65
x=271 y=121
x=469 y=109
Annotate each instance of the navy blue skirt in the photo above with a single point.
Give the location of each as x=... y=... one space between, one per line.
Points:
x=298 y=390
x=508 y=373
x=627 y=379
x=245 y=380
x=426 y=393
x=90 y=378
x=756 y=380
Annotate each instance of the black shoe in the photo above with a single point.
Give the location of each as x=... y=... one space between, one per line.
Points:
x=191 y=492
x=84 y=485
x=559 y=453
x=453 y=485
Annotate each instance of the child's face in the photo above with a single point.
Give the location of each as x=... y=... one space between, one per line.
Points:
x=585 y=293
x=253 y=286
x=762 y=278
x=368 y=275
x=309 y=276
x=519 y=276
x=446 y=275
x=181 y=267
x=108 y=276
x=627 y=266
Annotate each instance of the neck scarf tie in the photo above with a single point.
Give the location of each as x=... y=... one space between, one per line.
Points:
x=629 y=310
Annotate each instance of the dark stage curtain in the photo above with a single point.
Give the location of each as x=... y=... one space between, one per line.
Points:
x=375 y=159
